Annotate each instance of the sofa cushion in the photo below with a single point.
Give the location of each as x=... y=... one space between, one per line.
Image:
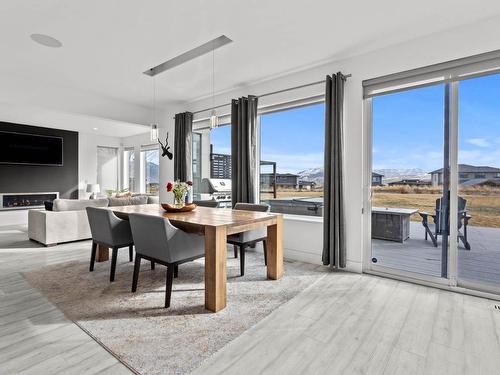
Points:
x=78 y=204
x=153 y=199
x=141 y=199
x=123 y=194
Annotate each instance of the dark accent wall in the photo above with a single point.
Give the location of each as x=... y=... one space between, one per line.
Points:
x=39 y=178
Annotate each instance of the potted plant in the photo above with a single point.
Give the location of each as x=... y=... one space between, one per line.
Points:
x=179 y=189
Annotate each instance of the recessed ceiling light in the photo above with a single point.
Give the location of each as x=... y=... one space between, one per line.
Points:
x=46 y=40
x=94 y=128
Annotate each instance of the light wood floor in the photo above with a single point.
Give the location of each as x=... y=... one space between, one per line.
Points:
x=35 y=337
x=480 y=264
x=342 y=324
x=359 y=324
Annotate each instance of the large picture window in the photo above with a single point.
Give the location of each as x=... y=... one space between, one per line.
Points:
x=291 y=162
x=129 y=169
x=197 y=162
x=107 y=169
x=150 y=157
x=220 y=152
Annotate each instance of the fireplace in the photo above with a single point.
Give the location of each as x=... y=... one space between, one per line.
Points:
x=17 y=201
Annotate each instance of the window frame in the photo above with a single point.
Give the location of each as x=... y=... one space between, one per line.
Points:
x=283 y=107
x=451 y=73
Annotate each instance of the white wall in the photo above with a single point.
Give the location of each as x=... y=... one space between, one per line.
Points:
x=444 y=46
x=166 y=124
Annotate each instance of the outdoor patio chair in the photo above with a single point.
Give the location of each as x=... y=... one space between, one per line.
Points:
x=440 y=226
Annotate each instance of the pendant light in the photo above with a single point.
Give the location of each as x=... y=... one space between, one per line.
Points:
x=154 y=123
x=214 y=119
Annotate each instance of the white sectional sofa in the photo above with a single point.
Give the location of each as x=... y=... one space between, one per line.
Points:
x=68 y=219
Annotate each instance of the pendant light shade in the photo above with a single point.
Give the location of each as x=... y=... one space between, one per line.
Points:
x=214 y=119
x=154 y=132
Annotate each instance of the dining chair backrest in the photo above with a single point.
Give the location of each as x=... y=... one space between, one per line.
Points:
x=156 y=237
x=107 y=228
x=207 y=203
x=151 y=235
x=254 y=234
x=252 y=207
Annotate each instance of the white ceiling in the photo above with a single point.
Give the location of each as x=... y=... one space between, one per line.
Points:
x=107 y=44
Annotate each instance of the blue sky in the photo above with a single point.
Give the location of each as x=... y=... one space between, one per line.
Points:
x=407 y=130
x=293 y=138
x=408 y=126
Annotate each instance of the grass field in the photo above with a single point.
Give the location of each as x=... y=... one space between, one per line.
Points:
x=483 y=203
x=292 y=194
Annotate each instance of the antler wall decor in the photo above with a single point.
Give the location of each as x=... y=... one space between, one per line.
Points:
x=166 y=149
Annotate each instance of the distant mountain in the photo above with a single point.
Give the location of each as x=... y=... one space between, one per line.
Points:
x=317 y=175
x=399 y=174
x=312 y=174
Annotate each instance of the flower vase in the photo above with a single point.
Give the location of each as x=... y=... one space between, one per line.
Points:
x=179 y=201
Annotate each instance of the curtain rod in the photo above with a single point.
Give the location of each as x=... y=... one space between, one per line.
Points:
x=270 y=93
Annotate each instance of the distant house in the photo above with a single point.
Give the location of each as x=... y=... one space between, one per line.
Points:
x=306 y=185
x=467 y=173
x=377 y=179
x=283 y=180
x=411 y=182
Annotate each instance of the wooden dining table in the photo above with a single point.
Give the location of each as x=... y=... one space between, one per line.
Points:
x=216 y=224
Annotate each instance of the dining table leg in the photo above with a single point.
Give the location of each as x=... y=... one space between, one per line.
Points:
x=275 y=249
x=102 y=253
x=215 y=267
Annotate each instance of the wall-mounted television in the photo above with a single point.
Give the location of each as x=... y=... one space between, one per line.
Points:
x=30 y=149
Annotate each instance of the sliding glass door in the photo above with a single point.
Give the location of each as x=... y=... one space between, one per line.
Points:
x=410 y=181
x=435 y=175
x=479 y=182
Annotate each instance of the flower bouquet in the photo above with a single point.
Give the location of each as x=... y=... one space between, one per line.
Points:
x=179 y=189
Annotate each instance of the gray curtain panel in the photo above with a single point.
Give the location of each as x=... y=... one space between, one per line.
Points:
x=334 y=253
x=244 y=149
x=183 y=147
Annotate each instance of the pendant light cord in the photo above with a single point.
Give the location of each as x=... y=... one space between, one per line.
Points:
x=154 y=101
x=213 y=78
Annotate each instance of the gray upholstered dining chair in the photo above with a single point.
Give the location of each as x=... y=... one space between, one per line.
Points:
x=159 y=241
x=251 y=237
x=109 y=231
x=207 y=203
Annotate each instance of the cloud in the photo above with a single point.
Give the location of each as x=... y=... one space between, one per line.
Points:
x=479 y=142
x=491 y=159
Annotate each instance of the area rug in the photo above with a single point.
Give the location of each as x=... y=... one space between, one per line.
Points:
x=151 y=339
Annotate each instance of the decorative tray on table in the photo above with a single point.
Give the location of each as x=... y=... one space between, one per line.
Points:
x=173 y=208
